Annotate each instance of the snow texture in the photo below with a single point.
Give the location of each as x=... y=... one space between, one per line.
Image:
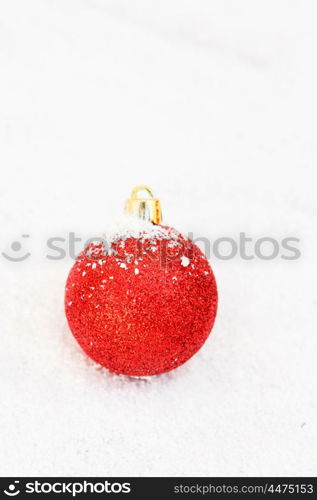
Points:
x=185 y=261
x=213 y=105
x=125 y=226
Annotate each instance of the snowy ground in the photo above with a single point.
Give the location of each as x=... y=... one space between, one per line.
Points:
x=213 y=104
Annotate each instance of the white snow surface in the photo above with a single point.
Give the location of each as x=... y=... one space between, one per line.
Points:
x=213 y=105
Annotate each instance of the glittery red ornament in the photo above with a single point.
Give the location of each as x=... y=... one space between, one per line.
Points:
x=142 y=303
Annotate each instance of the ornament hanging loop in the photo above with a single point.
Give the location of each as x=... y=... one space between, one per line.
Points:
x=148 y=209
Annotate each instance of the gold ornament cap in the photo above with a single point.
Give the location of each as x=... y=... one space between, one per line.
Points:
x=146 y=208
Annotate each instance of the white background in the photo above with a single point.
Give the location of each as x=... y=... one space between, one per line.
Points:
x=213 y=104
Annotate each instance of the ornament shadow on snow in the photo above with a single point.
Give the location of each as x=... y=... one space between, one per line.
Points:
x=146 y=302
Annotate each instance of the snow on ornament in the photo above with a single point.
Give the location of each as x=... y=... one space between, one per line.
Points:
x=144 y=299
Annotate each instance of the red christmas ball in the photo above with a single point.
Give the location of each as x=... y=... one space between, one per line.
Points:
x=142 y=303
